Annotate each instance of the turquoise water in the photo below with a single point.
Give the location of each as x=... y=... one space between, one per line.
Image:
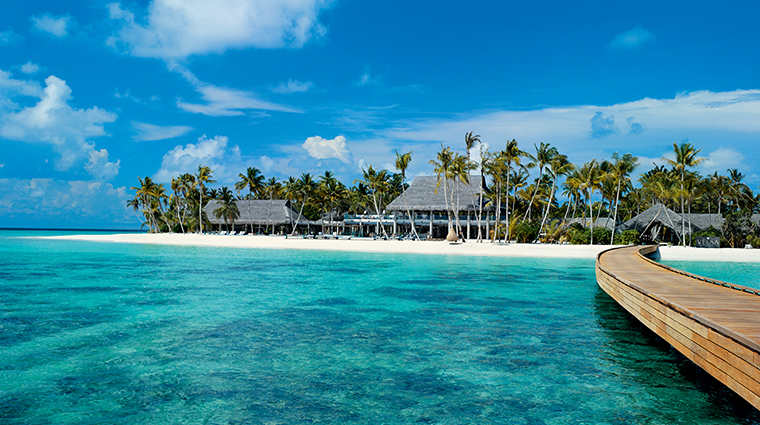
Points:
x=128 y=334
x=747 y=274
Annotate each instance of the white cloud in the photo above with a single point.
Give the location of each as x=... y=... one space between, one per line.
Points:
x=176 y=29
x=368 y=79
x=52 y=121
x=223 y=160
x=223 y=102
x=292 y=86
x=51 y=24
x=48 y=202
x=11 y=87
x=150 y=132
x=721 y=160
x=10 y=37
x=99 y=167
x=127 y=95
x=631 y=39
x=320 y=148
x=30 y=68
x=708 y=119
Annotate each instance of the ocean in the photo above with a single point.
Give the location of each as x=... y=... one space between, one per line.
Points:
x=94 y=333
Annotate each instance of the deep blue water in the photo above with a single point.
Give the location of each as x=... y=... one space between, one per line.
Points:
x=94 y=333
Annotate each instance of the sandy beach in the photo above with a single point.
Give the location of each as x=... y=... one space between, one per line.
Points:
x=411 y=247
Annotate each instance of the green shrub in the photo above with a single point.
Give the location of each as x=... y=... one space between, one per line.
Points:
x=628 y=237
x=602 y=235
x=712 y=231
x=579 y=236
x=525 y=232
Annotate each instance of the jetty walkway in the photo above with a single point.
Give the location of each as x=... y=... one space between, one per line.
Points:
x=715 y=324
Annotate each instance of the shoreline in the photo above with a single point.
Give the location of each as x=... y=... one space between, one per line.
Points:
x=675 y=253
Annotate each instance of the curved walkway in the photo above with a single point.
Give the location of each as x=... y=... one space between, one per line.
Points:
x=715 y=324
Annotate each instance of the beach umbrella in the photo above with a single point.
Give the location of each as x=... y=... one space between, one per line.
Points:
x=452 y=236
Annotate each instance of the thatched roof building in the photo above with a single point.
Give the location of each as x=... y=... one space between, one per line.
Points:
x=425 y=194
x=258 y=212
x=661 y=215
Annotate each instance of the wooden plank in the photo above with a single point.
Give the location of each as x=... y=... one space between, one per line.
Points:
x=715 y=326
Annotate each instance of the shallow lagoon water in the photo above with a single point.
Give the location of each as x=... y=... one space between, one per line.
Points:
x=96 y=333
x=747 y=274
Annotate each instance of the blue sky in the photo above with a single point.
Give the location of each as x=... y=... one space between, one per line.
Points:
x=94 y=94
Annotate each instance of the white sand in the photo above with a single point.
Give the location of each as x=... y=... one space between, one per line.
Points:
x=411 y=247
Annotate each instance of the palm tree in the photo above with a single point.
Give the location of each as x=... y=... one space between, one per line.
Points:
x=290 y=192
x=686 y=156
x=272 y=187
x=591 y=177
x=558 y=166
x=442 y=168
x=306 y=186
x=460 y=172
x=177 y=189
x=228 y=209
x=469 y=142
x=253 y=180
x=202 y=176
x=620 y=169
x=544 y=155
x=402 y=163
x=377 y=183
x=510 y=155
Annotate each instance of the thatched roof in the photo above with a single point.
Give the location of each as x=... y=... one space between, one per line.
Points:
x=599 y=222
x=421 y=195
x=659 y=213
x=258 y=211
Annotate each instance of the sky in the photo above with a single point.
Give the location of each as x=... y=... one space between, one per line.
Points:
x=94 y=94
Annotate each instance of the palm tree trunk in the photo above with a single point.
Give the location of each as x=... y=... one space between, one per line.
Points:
x=269 y=212
x=200 y=210
x=297 y=220
x=408 y=213
x=548 y=205
x=614 y=220
x=379 y=218
x=509 y=222
x=538 y=183
x=591 y=228
x=446 y=200
x=683 y=225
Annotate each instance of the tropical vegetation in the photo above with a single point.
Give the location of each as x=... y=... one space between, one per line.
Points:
x=543 y=196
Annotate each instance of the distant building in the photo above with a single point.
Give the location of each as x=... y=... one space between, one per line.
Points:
x=428 y=207
x=262 y=214
x=661 y=223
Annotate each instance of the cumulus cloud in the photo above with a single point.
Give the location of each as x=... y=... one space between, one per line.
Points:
x=292 y=86
x=30 y=68
x=54 y=25
x=631 y=39
x=176 y=29
x=320 y=148
x=223 y=102
x=54 y=203
x=601 y=126
x=149 y=132
x=214 y=153
x=721 y=160
x=52 y=121
x=10 y=37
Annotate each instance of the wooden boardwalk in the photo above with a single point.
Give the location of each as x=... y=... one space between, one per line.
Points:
x=715 y=324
